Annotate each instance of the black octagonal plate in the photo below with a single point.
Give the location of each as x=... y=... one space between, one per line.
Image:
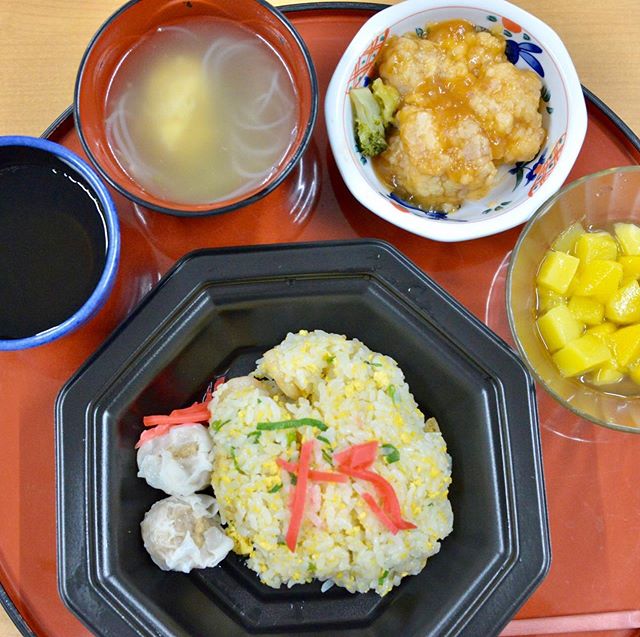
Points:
x=221 y=309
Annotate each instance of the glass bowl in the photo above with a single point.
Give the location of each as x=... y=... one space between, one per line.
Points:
x=597 y=201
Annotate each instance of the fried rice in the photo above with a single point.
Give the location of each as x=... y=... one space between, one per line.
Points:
x=360 y=396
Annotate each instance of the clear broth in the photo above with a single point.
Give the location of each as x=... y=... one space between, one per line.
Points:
x=201 y=110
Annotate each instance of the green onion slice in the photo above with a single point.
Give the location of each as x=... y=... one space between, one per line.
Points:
x=217 y=425
x=390 y=453
x=291 y=424
x=235 y=461
x=391 y=391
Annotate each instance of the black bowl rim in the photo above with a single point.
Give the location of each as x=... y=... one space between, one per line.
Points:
x=84 y=594
x=269 y=186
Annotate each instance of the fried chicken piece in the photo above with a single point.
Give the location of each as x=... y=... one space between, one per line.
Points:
x=465 y=110
x=435 y=162
x=408 y=61
x=505 y=101
x=484 y=50
x=467 y=52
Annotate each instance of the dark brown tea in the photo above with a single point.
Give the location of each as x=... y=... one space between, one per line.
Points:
x=53 y=242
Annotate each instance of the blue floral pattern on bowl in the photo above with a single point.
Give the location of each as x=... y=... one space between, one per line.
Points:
x=527 y=169
x=514 y=182
x=419 y=212
x=525 y=51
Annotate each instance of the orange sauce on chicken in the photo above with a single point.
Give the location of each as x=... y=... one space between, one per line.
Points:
x=443 y=76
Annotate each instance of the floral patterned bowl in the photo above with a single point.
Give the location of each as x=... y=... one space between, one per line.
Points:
x=519 y=189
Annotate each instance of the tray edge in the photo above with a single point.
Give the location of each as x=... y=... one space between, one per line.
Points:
x=54 y=129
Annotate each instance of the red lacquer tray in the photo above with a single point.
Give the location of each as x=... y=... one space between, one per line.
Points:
x=591 y=473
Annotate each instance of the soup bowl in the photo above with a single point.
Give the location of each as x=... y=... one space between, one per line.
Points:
x=518 y=189
x=59 y=241
x=110 y=52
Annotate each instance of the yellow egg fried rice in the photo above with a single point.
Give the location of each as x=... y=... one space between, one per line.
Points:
x=360 y=396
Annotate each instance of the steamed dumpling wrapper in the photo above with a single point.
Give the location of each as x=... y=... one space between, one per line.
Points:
x=181 y=533
x=178 y=462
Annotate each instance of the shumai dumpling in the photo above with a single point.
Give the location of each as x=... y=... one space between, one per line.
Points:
x=181 y=533
x=178 y=462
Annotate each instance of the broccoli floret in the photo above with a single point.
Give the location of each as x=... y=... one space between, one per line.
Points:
x=369 y=126
x=388 y=97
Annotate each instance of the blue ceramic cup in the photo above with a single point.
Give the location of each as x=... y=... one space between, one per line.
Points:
x=59 y=242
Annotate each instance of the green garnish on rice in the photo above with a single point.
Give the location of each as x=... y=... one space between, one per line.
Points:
x=275 y=488
x=216 y=425
x=291 y=424
x=390 y=453
x=235 y=461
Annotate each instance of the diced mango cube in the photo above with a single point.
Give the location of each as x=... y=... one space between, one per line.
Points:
x=557 y=271
x=625 y=280
x=548 y=298
x=630 y=266
x=603 y=330
x=624 y=304
x=599 y=278
x=596 y=245
x=558 y=327
x=571 y=290
x=581 y=356
x=566 y=240
x=586 y=309
x=628 y=236
x=634 y=374
x=606 y=375
x=625 y=344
